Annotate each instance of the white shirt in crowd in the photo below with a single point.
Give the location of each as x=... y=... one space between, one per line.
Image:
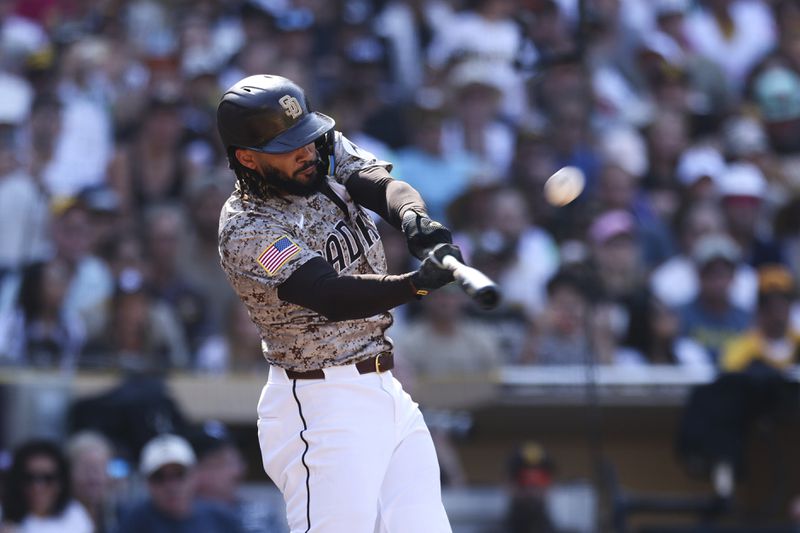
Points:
x=74 y=519
x=676 y=283
x=754 y=34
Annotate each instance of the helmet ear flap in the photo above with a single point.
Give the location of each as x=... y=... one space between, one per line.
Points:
x=324 y=145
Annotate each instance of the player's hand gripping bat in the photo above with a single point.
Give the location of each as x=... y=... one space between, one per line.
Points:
x=444 y=258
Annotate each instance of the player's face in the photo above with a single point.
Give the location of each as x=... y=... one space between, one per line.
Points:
x=298 y=166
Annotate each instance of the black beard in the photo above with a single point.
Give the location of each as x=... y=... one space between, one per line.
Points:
x=281 y=181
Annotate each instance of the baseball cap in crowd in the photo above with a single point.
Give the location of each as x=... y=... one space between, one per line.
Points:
x=165 y=450
x=61 y=205
x=700 y=162
x=209 y=438
x=714 y=247
x=477 y=72
x=611 y=224
x=742 y=180
x=777 y=93
x=775 y=278
x=744 y=136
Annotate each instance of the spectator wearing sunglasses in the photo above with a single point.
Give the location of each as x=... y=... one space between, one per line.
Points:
x=168 y=464
x=37 y=496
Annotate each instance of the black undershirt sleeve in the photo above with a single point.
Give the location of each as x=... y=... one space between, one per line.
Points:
x=317 y=286
x=375 y=189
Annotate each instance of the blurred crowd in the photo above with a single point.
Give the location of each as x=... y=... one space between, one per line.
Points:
x=683 y=248
x=683 y=115
x=180 y=483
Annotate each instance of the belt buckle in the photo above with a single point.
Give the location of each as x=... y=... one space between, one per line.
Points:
x=378 y=363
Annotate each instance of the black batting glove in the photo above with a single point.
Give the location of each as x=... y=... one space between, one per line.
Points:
x=432 y=274
x=422 y=234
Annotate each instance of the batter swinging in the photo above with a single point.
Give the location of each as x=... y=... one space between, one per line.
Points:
x=347 y=447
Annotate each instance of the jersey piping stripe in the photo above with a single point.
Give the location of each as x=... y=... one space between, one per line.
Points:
x=303 y=458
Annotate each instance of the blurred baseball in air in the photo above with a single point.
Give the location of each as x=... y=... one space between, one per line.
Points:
x=564 y=186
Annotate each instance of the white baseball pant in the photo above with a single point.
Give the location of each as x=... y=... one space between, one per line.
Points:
x=350 y=453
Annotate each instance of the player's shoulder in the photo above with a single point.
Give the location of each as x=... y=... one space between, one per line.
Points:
x=241 y=217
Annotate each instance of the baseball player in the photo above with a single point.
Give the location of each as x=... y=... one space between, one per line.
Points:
x=346 y=446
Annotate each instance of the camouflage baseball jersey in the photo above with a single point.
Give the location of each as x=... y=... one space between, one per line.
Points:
x=262 y=242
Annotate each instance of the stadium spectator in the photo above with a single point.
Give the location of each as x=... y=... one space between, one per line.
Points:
x=23 y=206
x=348 y=106
x=409 y=29
x=675 y=281
x=37 y=497
x=498 y=48
x=617 y=260
x=772 y=343
x=91 y=282
x=618 y=188
x=441 y=176
x=742 y=189
x=464 y=347
x=105 y=218
x=165 y=230
x=774 y=93
x=529 y=254
x=699 y=170
x=46 y=333
x=198 y=258
x=220 y=467
x=660 y=342
x=85 y=122
x=236 y=350
x=167 y=463
x=573 y=329
x=90 y=455
x=149 y=168
x=666 y=137
x=220 y=472
x=711 y=319
x=733 y=35
x=142 y=333
x=474 y=125
x=571 y=136
x=533 y=163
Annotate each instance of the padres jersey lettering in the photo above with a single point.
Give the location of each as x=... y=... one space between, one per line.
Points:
x=262 y=242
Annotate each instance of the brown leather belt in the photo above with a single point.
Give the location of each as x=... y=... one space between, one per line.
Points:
x=380 y=363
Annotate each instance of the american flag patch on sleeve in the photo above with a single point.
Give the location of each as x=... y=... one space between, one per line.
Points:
x=276 y=254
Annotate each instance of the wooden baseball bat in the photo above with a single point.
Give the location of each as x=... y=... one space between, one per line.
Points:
x=474 y=282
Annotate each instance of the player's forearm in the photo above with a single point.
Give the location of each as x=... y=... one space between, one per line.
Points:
x=318 y=287
x=361 y=296
x=375 y=189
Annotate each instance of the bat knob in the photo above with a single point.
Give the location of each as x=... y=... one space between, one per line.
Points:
x=487 y=297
